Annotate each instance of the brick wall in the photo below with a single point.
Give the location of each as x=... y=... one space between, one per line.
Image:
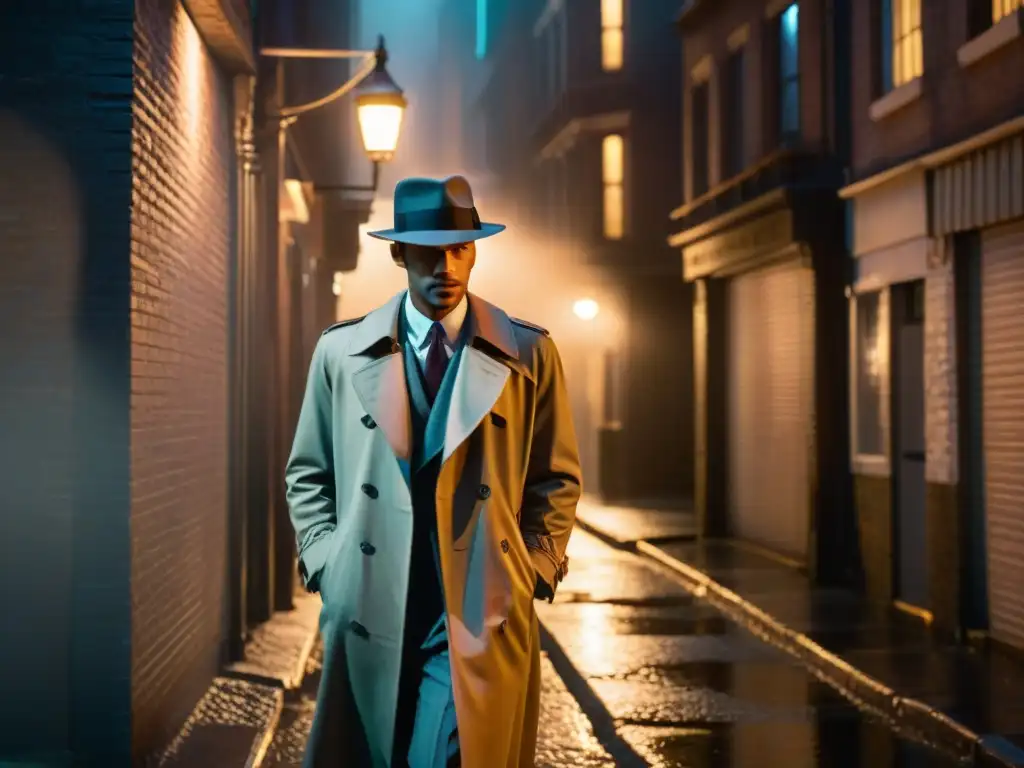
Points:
x=180 y=249
x=65 y=160
x=956 y=102
x=940 y=397
x=708 y=35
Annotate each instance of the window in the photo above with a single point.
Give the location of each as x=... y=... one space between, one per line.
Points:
x=611 y=389
x=613 y=177
x=612 y=42
x=732 y=141
x=699 y=144
x=872 y=357
x=481 y=28
x=1001 y=8
x=789 y=72
x=902 y=51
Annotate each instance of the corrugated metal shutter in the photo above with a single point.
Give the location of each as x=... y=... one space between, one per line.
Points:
x=770 y=399
x=979 y=189
x=1002 y=285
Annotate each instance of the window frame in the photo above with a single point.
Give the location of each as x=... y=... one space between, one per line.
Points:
x=891 y=42
x=870 y=461
x=700 y=86
x=733 y=156
x=784 y=79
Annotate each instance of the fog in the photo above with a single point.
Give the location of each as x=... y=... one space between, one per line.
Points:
x=535 y=279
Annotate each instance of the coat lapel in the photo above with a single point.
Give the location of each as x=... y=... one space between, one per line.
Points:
x=481 y=375
x=381 y=384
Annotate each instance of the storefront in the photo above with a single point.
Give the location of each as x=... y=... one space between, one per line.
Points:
x=978 y=207
x=899 y=290
x=936 y=375
x=768 y=299
x=770 y=354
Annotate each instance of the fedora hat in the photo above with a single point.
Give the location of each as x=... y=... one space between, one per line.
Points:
x=436 y=213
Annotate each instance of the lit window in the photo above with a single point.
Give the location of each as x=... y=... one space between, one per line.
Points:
x=1001 y=8
x=903 y=57
x=789 y=71
x=611 y=35
x=612 y=167
x=870 y=372
x=481 y=29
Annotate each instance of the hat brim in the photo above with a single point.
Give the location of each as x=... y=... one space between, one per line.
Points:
x=434 y=238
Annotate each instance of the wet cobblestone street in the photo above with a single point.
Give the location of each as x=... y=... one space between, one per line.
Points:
x=638 y=672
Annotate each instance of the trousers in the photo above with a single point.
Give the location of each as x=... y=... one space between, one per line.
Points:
x=426 y=729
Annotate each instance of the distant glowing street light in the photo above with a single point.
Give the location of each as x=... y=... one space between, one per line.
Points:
x=585 y=309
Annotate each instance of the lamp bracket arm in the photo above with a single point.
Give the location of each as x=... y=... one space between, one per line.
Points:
x=372 y=187
x=290 y=114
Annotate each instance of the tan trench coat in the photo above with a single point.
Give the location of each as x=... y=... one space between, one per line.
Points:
x=506 y=504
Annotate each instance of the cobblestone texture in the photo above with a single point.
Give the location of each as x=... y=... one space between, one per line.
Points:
x=277 y=647
x=565 y=737
x=226 y=727
x=289 y=744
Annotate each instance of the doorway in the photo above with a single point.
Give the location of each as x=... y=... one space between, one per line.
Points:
x=910 y=529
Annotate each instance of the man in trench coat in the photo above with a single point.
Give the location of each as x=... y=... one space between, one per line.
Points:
x=432 y=484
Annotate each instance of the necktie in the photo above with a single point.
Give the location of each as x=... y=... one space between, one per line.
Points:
x=437 y=361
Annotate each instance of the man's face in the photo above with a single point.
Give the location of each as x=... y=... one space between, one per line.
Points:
x=439 y=277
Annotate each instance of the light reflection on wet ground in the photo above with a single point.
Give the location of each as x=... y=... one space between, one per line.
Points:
x=686 y=687
x=671 y=682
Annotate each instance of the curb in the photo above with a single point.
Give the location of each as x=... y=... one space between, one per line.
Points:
x=864 y=690
x=239 y=715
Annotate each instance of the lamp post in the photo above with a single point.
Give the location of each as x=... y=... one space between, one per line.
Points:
x=380 y=103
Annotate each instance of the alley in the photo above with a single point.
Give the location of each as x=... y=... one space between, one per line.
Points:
x=638 y=672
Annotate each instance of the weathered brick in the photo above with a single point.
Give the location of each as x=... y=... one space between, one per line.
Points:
x=940 y=371
x=181 y=214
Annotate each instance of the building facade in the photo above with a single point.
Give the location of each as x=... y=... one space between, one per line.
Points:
x=580 y=122
x=166 y=271
x=762 y=236
x=937 y=199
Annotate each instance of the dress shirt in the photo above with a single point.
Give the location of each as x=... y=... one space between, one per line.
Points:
x=418 y=328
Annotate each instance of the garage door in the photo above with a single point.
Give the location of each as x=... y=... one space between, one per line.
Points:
x=770 y=395
x=1002 y=324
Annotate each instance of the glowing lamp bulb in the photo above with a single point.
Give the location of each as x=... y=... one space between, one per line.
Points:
x=585 y=309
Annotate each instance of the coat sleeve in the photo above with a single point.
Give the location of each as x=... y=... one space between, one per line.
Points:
x=553 y=483
x=309 y=474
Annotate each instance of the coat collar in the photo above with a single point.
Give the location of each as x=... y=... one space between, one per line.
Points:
x=486 y=322
x=477 y=379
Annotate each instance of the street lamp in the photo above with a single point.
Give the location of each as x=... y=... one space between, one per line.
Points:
x=380 y=106
x=585 y=309
x=380 y=103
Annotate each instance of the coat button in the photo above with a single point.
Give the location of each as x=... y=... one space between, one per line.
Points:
x=367 y=547
x=358 y=629
x=484 y=492
x=369 y=490
x=501 y=627
x=504 y=546
x=368 y=421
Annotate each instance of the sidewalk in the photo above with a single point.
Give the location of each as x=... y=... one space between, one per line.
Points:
x=234 y=723
x=968 y=700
